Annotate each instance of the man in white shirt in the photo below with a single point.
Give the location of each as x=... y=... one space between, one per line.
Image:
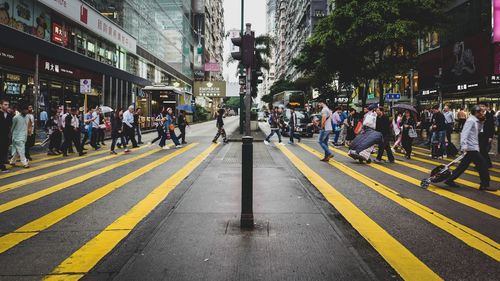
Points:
x=95 y=128
x=469 y=142
x=43 y=118
x=326 y=130
x=128 y=125
x=30 y=142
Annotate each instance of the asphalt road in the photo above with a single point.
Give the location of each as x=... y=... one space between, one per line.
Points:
x=455 y=232
x=95 y=217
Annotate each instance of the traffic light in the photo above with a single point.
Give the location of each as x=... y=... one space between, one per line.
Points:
x=246 y=54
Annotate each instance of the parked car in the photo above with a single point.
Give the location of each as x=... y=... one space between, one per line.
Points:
x=303 y=127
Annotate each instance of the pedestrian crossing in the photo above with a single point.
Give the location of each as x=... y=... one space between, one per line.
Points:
x=154 y=160
x=427 y=151
x=410 y=197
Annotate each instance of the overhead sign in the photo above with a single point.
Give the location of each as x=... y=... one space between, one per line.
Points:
x=392 y=96
x=215 y=89
x=212 y=67
x=89 y=18
x=85 y=86
x=343 y=100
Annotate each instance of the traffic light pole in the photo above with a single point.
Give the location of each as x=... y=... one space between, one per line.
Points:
x=247 y=220
x=242 y=69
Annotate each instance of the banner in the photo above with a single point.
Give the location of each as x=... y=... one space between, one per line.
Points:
x=215 y=89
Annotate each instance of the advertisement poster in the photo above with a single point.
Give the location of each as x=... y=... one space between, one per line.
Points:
x=42 y=24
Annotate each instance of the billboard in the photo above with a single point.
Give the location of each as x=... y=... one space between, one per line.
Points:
x=210 y=89
x=495 y=13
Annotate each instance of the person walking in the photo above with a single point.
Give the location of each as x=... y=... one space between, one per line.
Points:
x=487 y=133
x=5 y=134
x=55 y=136
x=383 y=126
x=44 y=118
x=438 y=126
x=159 y=125
x=275 y=123
x=408 y=126
x=336 y=123
x=182 y=123
x=462 y=117
x=169 y=126
x=94 y=138
x=425 y=118
x=88 y=119
x=19 y=133
x=101 y=131
x=449 y=122
x=128 y=126
x=350 y=125
x=117 y=130
x=72 y=133
x=292 y=125
x=326 y=126
x=469 y=143
x=30 y=142
x=396 y=127
x=220 y=127
x=137 y=124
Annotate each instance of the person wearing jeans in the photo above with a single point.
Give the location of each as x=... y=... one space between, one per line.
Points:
x=469 y=143
x=292 y=125
x=438 y=126
x=326 y=130
x=275 y=122
x=128 y=126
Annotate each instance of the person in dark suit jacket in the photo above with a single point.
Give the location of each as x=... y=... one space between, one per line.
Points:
x=487 y=134
x=5 y=126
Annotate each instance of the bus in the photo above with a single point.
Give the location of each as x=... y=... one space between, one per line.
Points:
x=286 y=99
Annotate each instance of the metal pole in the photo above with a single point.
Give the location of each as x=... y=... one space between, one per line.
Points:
x=411 y=86
x=242 y=97
x=248 y=102
x=247 y=220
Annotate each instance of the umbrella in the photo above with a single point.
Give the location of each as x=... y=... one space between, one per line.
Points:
x=404 y=107
x=106 y=109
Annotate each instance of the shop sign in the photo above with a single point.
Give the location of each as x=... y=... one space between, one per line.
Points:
x=212 y=67
x=56 y=68
x=342 y=100
x=465 y=87
x=85 y=86
x=215 y=89
x=429 y=92
x=495 y=80
x=93 y=21
x=16 y=58
x=59 y=35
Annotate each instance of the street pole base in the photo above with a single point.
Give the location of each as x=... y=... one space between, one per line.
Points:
x=246 y=221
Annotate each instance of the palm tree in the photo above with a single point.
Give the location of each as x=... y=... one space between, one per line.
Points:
x=264 y=46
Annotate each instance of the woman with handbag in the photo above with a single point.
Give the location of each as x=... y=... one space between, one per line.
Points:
x=169 y=127
x=409 y=133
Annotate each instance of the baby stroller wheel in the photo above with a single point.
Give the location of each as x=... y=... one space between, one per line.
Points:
x=360 y=161
x=424 y=184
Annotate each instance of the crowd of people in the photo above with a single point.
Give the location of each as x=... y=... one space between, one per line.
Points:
x=363 y=132
x=70 y=130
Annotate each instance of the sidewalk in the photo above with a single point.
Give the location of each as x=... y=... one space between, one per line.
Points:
x=297 y=235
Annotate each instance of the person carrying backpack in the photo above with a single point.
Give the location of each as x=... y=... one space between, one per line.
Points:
x=275 y=123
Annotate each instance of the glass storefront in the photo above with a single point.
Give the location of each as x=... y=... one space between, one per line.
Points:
x=16 y=87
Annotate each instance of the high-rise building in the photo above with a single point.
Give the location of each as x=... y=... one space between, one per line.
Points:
x=116 y=47
x=295 y=23
x=269 y=75
x=208 y=37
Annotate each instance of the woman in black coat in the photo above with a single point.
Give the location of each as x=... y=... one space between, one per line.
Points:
x=407 y=124
x=117 y=130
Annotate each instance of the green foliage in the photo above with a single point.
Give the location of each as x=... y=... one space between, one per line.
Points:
x=200 y=114
x=232 y=102
x=368 y=39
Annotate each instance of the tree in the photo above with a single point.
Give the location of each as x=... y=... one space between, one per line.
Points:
x=363 y=40
x=233 y=102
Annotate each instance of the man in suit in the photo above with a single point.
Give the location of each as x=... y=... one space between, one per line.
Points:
x=5 y=126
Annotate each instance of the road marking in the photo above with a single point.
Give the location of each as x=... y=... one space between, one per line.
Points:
x=428 y=171
x=31 y=229
x=469 y=236
x=31 y=169
x=493 y=178
x=429 y=151
x=42 y=193
x=84 y=259
x=397 y=255
x=489 y=210
x=440 y=163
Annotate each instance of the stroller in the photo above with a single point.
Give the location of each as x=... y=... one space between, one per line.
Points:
x=440 y=173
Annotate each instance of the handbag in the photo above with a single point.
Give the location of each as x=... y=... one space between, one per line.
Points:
x=171 y=127
x=358 y=128
x=412 y=133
